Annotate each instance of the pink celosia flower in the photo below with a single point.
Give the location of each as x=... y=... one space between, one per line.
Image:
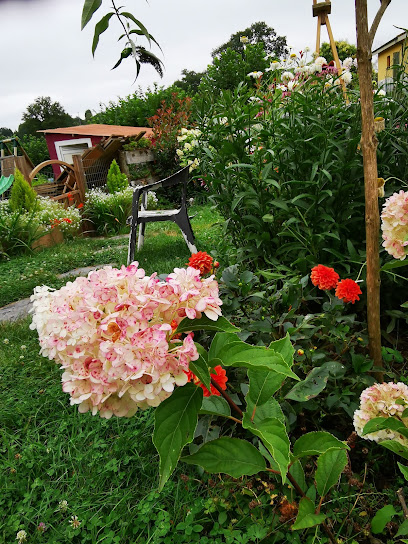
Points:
x=395 y=225
x=113 y=335
x=380 y=400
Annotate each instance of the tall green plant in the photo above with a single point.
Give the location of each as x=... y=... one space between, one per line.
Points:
x=116 y=181
x=22 y=196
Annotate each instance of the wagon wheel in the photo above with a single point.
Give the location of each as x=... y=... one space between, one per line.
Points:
x=67 y=176
x=67 y=169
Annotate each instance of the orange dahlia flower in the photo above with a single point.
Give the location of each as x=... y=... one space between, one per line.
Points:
x=218 y=375
x=348 y=290
x=324 y=277
x=201 y=261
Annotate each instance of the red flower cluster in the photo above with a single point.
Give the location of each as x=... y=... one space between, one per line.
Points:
x=55 y=222
x=201 y=261
x=219 y=376
x=324 y=277
x=348 y=290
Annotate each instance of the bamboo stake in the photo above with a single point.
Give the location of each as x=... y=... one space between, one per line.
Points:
x=369 y=150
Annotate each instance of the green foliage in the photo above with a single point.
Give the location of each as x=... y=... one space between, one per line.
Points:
x=259 y=32
x=330 y=465
x=175 y=423
x=43 y=114
x=36 y=148
x=116 y=181
x=381 y=518
x=22 y=195
x=135 y=109
x=190 y=81
x=230 y=69
x=139 y=53
x=344 y=50
x=306 y=517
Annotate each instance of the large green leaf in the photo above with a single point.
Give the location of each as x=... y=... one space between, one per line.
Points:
x=229 y=455
x=137 y=22
x=201 y=370
x=219 y=341
x=90 y=6
x=285 y=348
x=404 y=470
x=216 y=406
x=311 y=386
x=100 y=29
x=395 y=447
x=260 y=403
x=205 y=323
x=244 y=355
x=316 y=443
x=330 y=465
x=175 y=423
x=381 y=423
x=381 y=518
x=306 y=517
x=296 y=470
x=273 y=434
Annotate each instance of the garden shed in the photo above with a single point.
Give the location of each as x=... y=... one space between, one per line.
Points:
x=65 y=142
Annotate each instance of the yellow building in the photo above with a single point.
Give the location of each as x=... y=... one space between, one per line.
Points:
x=390 y=55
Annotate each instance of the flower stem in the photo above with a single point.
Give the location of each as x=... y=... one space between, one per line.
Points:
x=227 y=398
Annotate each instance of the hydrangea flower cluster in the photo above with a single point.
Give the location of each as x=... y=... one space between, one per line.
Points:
x=113 y=334
x=189 y=139
x=382 y=400
x=395 y=225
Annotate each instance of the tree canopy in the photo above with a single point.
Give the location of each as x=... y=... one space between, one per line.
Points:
x=344 y=50
x=258 y=32
x=42 y=114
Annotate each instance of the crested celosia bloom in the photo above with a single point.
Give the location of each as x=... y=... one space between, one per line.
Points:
x=324 y=277
x=113 y=334
x=382 y=400
x=395 y=225
x=348 y=291
x=201 y=261
x=218 y=375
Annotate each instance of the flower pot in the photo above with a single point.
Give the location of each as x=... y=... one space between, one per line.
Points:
x=49 y=239
x=139 y=156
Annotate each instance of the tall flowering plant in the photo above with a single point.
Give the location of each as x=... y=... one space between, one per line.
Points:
x=125 y=341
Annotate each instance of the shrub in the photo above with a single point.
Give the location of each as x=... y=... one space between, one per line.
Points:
x=22 y=196
x=109 y=212
x=116 y=181
x=36 y=148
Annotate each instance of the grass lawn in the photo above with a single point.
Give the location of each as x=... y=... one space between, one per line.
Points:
x=163 y=250
x=105 y=470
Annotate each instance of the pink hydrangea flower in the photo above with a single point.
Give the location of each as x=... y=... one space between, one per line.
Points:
x=380 y=400
x=113 y=335
x=395 y=225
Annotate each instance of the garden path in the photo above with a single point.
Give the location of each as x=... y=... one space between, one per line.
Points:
x=20 y=309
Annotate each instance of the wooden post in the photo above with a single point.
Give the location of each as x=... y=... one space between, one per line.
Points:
x=80 y=176
x=369 y=150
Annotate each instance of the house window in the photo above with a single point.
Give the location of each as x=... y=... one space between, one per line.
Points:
x=67 y=148
x=395 y=63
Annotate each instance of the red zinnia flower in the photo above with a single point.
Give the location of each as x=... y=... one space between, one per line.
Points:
x=324 y=277
x=201 y=261
x=218 y=375
x=348 y=290
x=80 y=206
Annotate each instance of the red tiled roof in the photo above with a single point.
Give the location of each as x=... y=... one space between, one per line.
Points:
x=99 y=130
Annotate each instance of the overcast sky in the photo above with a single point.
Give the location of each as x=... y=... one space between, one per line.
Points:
x=44 y=52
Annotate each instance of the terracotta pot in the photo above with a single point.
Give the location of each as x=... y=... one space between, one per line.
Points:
x=49 y=239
